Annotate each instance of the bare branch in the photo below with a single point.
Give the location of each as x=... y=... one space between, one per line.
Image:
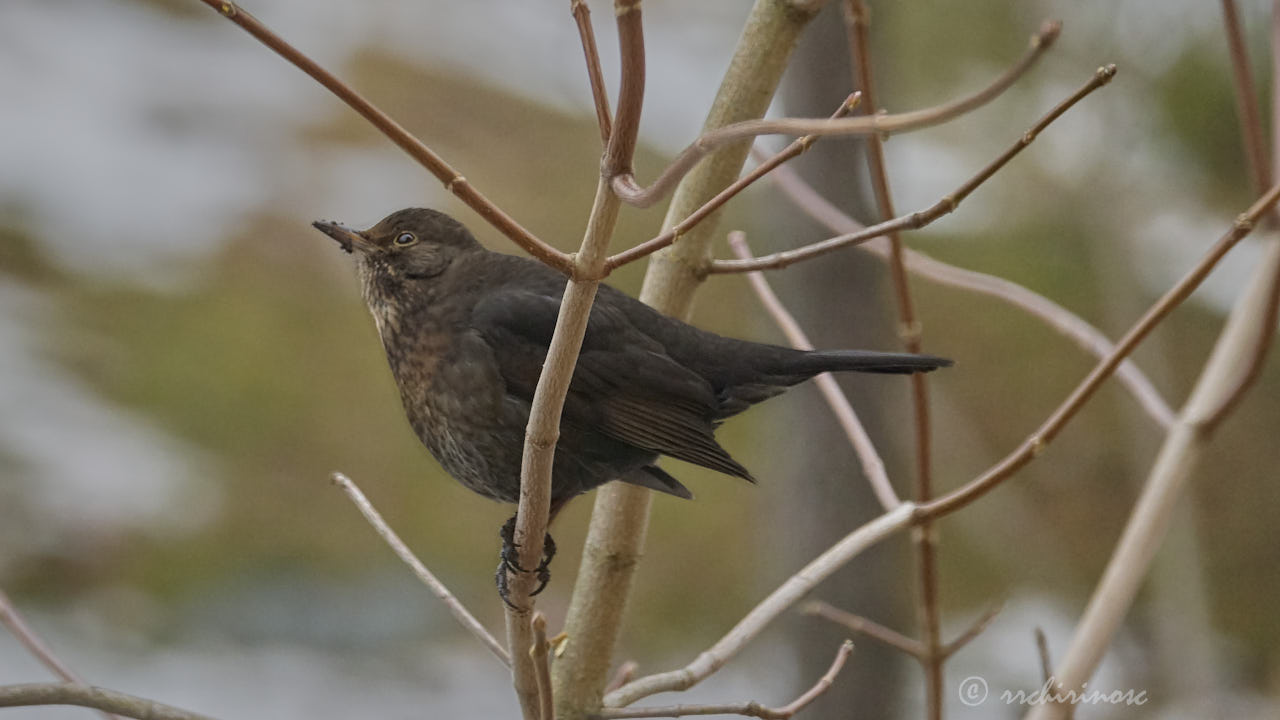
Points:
x=924 y=538
x=456 y=608
x=1035 y=444
x=108 y=701
x=1250 y=117
x=453 y=180
x=669 y=236
x=626 y=673
x=622 y=141
x=1087 y=337
x=1227 y=375
x=749 y=709
x=13 y=620
x=984 y=620
x=543 y=429
x=1046 y=662
x=620 y=514
x=1154 y=510
x=870 y=461
x=865 y=626
x=632 y=194
x=1256 y=154
x=541 y=654
x=824 y=683
x=786 y=595
x=599 y=93
x=917 y=220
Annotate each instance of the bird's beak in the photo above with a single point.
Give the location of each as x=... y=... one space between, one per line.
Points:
x=349 y=239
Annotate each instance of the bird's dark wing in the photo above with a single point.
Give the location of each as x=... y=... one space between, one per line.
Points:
x=625 y=386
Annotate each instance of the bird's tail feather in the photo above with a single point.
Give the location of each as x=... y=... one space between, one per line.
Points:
x=869 y=361
x=655 y=478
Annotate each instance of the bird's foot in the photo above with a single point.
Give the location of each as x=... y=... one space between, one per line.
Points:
x=510 y=561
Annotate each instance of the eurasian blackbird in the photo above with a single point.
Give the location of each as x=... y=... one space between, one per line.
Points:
x=466 y=332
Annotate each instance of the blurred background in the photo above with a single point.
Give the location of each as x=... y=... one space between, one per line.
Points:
x=183 y=360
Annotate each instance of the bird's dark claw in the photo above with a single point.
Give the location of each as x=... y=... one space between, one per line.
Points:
x=510 y=561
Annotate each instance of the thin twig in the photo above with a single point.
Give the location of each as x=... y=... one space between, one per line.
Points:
x=865 y=626
x=1256 y=153
x=626 y=673
x=622 y=140
x=17 y=625
x=671 y=235
x=541 y=654
x=868 y=457
x=543 y=430
x=615 y=539
x=12 y=619
x=924 y=538
x=1153 y=512
x=452 y=179
x=1036 y=443
x=1246 y=92
x=599 y=93
x=108 y=701
x=917 y=220
x=456 y=608
x=1058 y=318
x=1046 y=662
x=1226 y=375
x=632 y=194
x=748 y=709
x=785 y=596
x=984 y=620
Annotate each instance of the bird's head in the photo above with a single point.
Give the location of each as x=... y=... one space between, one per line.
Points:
x=411 y=244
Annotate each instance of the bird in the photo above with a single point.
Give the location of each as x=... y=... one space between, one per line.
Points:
x=466 y=330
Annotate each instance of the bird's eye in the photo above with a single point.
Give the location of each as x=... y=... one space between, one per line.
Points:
x=406 y=238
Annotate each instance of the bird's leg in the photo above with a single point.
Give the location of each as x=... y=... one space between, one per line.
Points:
x=510 y=561
x=510 y=554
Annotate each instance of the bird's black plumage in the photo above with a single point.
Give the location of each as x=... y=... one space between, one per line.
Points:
x=466 y=331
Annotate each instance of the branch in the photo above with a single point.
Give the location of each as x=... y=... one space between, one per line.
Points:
x=540 y=652
x=599 y=94
x=620 y=517
x=1035 y=444
x=865 y=626
x=625 y=674
x=1246 y=92
x=868 y=458
x=669 y=236
x=1149 y=521
x=452 y=179
x=632 y=194
x=786 y=595
x=13 y=620
x=108 y=701
x=456 y=608
x=1229 y=372
x=622 y=141
x=1256 y=154
x=982 y=623
x=543 y=429
x=924 y=538
x=1058 y=318
x=1042 y=650
x=749 y=709
x=920 y=219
